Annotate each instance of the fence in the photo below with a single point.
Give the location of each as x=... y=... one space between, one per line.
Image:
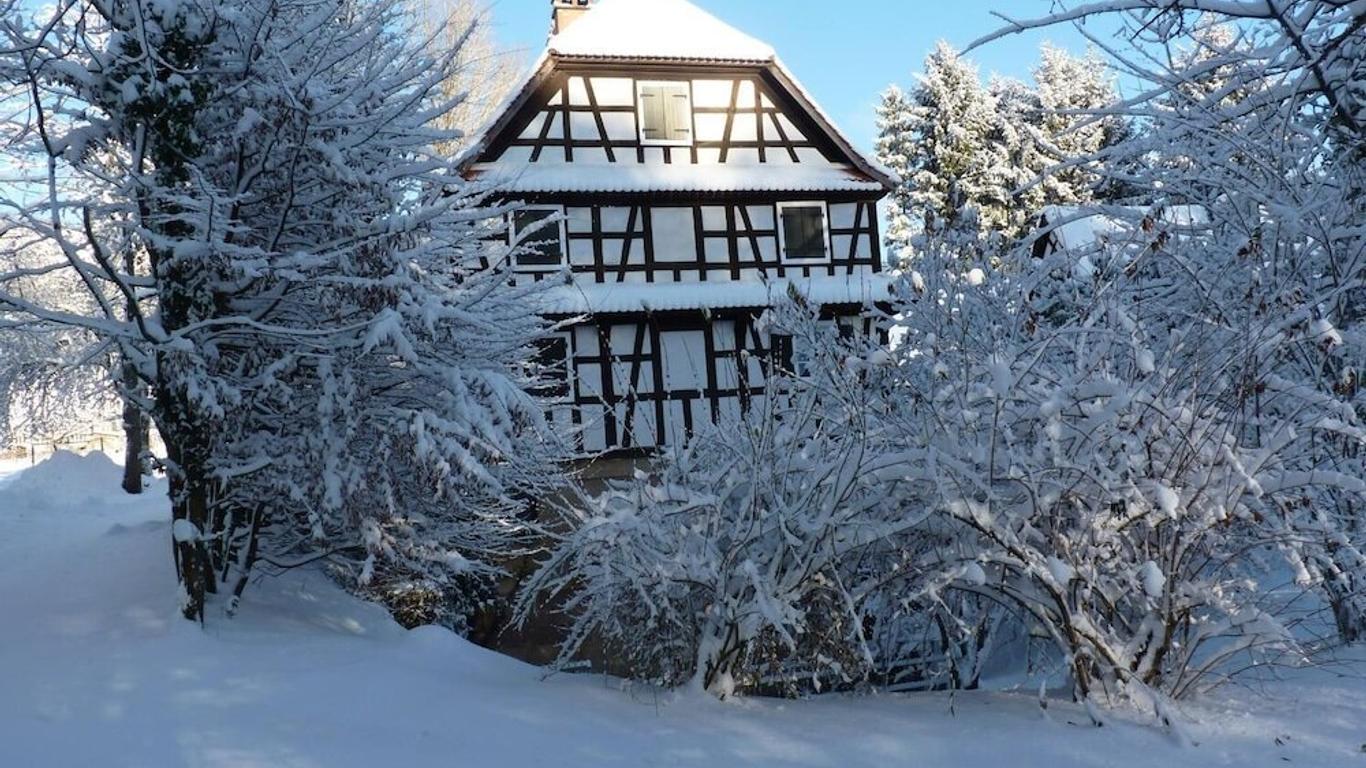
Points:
x=109 y=442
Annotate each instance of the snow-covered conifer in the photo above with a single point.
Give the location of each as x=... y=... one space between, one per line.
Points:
x=939 y=137
x=1075 y=96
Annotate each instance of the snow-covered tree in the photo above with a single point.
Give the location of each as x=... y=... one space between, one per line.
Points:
x=939 y=138
x=897 y=150
x=333 y=359
x=1074 y=123
x=978 y=163
x=482 y=74
x=54 y=379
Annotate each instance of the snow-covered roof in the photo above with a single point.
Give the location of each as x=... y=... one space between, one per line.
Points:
x=631 y=178
x=1075 y=227
x=657 y=29
x=577 y=299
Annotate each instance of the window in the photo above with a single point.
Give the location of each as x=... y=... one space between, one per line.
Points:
x=550 y=368
x=541 y=240
x=665 y=111
x=803 y=233
x=796 y=356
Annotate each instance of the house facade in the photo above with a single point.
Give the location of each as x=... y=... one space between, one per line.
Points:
x=677 y=180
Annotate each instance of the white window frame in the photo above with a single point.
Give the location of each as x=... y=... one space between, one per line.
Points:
x=782 y=231
x=641 y=85
x=561 y=224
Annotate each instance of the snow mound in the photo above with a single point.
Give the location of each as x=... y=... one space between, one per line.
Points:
x=63 y=480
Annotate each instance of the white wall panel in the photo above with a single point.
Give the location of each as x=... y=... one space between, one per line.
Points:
x=685 y=360
x=620 y=126
x=674 y=236
x=710 y=127
x=711 y=93
x=614 y=91
x=842 y=215
x=745 y=127
x=584 y=127
x=580 y=253
x=578 y=93
x=615 y=219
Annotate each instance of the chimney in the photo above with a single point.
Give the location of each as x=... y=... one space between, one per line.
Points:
x=566 y=12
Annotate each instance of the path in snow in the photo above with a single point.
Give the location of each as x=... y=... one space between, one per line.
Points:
x=96 y=670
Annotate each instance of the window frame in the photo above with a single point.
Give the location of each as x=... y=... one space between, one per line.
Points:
x=782 y=233
x=641 y=85
x=561 y=226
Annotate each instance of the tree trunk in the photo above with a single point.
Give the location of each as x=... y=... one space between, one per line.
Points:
x=135 y=425
x=188 y=450
x=135 y=433
x=190 y=522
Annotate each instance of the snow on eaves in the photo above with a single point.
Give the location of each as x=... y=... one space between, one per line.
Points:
x=587 y=299
x=632 y=178
x=657 y=29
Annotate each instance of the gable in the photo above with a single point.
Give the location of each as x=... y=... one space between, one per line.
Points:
x=748 y=124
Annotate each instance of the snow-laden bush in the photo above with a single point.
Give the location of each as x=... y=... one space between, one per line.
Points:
x=727 y=565
x=1146 y=453
x=1106 y=469
x=1152 y=448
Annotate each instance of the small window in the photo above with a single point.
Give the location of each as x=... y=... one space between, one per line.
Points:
x=665 y=113
x=551 y=369
x=540 y=240
x=803 y=232
x=795 y=356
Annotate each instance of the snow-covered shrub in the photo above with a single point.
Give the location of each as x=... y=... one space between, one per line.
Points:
x=727 y=565
x=1130 y=433
x=1087 y=443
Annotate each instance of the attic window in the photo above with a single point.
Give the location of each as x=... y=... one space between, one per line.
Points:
x=665 y=112
x=803 y=233
x=539 y=233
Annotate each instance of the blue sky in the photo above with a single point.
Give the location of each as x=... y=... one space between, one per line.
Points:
x=845 y=51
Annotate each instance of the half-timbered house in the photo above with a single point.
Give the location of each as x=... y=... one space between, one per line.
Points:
x=677 y=180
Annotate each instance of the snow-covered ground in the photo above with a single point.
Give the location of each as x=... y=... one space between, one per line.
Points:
x=96 y=670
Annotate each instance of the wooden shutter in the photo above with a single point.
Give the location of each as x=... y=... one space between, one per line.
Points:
x=653 y=118
x=679 y=113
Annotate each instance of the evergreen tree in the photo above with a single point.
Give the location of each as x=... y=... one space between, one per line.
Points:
x=940 y=140
x=896 y=149
x=1073 y=93
x=1018 y=116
